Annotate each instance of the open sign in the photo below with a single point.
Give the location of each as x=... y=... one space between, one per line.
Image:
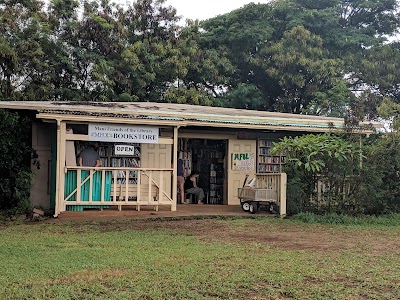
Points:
x=124 y=150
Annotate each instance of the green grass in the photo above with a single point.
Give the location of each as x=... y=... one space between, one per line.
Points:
x=113 y=260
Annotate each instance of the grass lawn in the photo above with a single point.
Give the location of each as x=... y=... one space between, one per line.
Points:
x=261 y=258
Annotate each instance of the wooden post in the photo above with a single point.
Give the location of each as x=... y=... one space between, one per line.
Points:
x=78 y=185
x=103 y=185
x=58 y=172
x=149 y=200
x=91 y=173
x=361 y=155
x=282 y=189
x=161 y=189
x=175 y=171
x=127 y=174
x=139 y=182
x=61 y=164
x=115 y=186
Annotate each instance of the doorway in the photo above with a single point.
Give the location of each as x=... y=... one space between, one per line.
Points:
x=208 y=157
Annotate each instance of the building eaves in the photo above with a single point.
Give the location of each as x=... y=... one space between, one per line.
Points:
x=203 y=120
x=110 y=115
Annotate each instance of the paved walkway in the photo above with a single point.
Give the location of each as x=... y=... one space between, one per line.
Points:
x=186 y=210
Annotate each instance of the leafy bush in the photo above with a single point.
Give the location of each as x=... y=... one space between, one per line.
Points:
x=369 y=187
x=324 y=158
x=380 y=186
x=15 y=165
x=299 y=188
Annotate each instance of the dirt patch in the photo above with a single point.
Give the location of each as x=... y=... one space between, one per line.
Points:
x=87 y=276
x=285 y=236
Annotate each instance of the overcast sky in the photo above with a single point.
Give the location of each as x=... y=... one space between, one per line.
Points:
x=203 y=9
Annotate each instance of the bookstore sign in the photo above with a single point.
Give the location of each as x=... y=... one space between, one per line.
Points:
x=242 y=161
x=123 y=133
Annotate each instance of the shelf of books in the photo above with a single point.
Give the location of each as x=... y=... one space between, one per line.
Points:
x=267 y=163
x=216 y=183
x=185 y=154
x=110 y=159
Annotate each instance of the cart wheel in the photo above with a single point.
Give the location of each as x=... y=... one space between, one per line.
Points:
x=253 y=207
x=245 y=206
x=273 y=208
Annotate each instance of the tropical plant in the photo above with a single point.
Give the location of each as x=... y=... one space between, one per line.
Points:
x=380 y=188
x=16 y=162
x=324 y=168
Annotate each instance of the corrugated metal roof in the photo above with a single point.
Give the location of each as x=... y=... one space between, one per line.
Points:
x=177 y=112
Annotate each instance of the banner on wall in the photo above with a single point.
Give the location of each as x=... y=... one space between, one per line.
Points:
x=123 y=133
x=243 y=161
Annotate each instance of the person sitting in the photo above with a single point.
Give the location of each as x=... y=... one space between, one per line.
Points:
x=192 y=188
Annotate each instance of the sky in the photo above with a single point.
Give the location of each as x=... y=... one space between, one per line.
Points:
x=205 y=9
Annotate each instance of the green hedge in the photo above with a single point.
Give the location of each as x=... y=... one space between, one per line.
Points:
x=17 y=156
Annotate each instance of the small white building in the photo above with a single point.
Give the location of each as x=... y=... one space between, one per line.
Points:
x=140 y=142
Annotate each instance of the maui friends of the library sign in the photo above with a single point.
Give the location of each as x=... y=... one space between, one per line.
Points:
x=123 y=133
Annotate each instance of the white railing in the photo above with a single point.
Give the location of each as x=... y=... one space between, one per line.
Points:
x=269 y=188
x=105 y=186
x=274 y=186
x=334 y=193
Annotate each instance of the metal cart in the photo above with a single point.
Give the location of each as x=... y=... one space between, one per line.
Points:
x=252 y=199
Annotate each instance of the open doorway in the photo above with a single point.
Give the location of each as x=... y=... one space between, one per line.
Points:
x=208 y=157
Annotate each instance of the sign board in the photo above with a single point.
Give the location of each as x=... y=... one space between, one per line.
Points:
x=241 y=135
x=243 y=161
x=124 y=150
x=123 y=133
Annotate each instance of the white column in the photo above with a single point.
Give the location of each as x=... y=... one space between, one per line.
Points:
x=174 y=172
x=283 y=187
x=61 y=182
x=57 y=196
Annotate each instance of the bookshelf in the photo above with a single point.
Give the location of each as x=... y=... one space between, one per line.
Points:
x=185 y=153
x=208 y=158
x=267 y=163
x=216 y=187
x=110 y=159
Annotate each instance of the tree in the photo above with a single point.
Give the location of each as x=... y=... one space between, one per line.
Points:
x=380 y=69
x=202 y=71
x=390 y=111
x=15 y=165
x=379 y=188
x=239 y=35
x=300 y=69
x=22 y=59
x=347 y=32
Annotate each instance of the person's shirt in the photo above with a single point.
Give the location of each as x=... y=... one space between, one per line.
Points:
x=180 y=167
x=89 y=157
x=189 y=183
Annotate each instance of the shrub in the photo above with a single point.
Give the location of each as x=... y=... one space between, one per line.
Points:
x=326 y=158
x=374 y=190
x=15 y=164
x=380 y=186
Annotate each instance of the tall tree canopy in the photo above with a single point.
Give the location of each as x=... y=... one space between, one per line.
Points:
x=299 y=56
x=307 y=56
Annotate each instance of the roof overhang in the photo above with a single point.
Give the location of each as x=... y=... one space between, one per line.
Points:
x=170 y=114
